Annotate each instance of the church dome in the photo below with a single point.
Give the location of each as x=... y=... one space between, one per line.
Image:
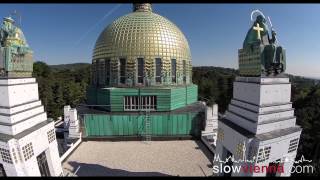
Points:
x=141 y=39
x=15 y=36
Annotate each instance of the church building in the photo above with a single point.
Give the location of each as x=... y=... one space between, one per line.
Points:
x=141 y=81
x=141 y=88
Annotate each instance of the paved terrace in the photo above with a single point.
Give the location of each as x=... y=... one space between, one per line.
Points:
x=137 y=158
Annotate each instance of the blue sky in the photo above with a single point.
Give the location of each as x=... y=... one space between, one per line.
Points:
x=66 y=33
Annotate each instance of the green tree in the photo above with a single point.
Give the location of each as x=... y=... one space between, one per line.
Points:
x=59 y=87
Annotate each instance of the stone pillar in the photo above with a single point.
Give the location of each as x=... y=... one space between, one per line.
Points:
x=71 y=122
x=209 y=135
x=211 y=118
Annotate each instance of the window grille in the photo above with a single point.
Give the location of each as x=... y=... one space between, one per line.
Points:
x=51 y=135
x=5 y=155
x=27 y=151
x=293 y=145
x=263 y=154
x=140 y=103
x=14 y=156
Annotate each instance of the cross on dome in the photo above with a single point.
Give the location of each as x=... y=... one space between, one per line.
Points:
x=258 y=29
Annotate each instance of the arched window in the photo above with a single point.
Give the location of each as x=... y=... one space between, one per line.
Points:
x=123 y=63
x=184 y=66
x=158 y=70
x=107 y=69
x=140 y=70
x=101 y=70
x=174 y=70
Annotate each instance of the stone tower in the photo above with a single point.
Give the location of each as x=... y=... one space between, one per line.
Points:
x=259 y=125
x=28 y=145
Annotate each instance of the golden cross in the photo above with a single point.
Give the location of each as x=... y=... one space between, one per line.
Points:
x=258 y=29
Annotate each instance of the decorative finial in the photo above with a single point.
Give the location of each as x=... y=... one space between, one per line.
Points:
x=8 y=19
x=142 y=7
x=17 y=15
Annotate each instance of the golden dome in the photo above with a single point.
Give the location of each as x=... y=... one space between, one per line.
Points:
x=147 y=35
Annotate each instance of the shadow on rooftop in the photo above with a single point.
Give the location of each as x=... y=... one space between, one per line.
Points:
x=205 y=150
x=98 y=170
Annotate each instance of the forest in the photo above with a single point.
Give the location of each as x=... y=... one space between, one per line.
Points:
x=60 y=85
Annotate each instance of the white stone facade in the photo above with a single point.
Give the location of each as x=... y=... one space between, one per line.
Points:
x=260 y=124
x=25 y=131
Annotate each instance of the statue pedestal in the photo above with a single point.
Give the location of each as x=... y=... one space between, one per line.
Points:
x=259 y=123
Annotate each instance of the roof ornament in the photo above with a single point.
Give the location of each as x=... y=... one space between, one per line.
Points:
x=257 y=11
x=258 y=40
x=258 y=29
x=8 y=19
x=17 y=15
x=16 y=57
x=142 y=7
x=254 y=12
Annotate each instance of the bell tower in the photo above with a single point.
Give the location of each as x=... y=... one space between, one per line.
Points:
x=28 y=145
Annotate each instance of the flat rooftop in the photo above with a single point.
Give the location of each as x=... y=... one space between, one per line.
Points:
x=137 y=158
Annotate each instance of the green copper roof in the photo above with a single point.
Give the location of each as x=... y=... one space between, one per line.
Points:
x=16 y=57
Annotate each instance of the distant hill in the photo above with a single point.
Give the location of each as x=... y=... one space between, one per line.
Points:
x=303 y=81
x=230 y=71
x=223 y=70
x=71 y=67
